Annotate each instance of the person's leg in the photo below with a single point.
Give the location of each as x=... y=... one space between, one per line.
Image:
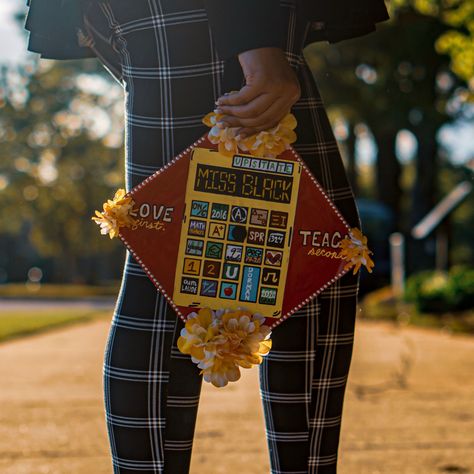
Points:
x=137 y=375
x=162 y=54
x=151 y=389
x=285 y=388
x=303 y=378
x=337 y=305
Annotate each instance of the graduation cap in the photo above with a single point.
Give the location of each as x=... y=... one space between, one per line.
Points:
x=236 y=243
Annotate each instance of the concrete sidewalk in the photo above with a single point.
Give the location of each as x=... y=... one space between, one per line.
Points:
x=44 y=304
x=409 y=407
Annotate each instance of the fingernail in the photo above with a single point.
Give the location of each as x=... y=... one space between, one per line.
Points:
x=217 y=110
x=241 y=136
x=222 y=124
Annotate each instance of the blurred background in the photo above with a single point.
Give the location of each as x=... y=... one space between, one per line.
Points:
x=401 y=103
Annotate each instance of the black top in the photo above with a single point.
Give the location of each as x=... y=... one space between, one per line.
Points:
x=53 y=26
x=237 y=25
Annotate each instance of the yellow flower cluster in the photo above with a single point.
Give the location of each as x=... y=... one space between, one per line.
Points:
x=220 y=342
x=355 y=251
x=116 y=214
x=268 y=143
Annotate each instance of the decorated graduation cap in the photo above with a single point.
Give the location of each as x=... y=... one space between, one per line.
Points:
x=237 y=235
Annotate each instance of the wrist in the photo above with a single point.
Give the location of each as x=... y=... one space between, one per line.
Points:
x=253 y=59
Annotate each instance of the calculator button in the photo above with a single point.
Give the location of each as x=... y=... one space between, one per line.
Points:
x=214 y=249
x=228 y=290
x=248 y=290
x=216 y=230
x=233 y=253
x=189 y=285
x=253 y=255
x=276 y=239
x=237 y=233
x=194 y=247
x=192 y=266
x=219 y=212
x=239 y=214
x=197 y=228
x=273 y=258
x=211 y=269
x=267 y=296
x=199 y=209
x=271 y=276
x=208 y=288
x=259 y=217
x=278 y=219
x=230 y=271
x=256 y=236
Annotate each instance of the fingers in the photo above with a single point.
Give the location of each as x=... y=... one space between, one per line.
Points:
x=271 y=90
x=254 y=108
x=243 y=96
x=271 y=116
x=265 y=110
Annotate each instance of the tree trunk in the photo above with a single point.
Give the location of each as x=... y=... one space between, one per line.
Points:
x=388 y=171
x=351 y=160
x=425 y=189
x=424 y=193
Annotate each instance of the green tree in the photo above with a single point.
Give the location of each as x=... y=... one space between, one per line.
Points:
x=389 y=81
x=60 y=158
x=458 y=40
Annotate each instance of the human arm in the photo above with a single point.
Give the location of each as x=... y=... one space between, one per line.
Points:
x=253 y=30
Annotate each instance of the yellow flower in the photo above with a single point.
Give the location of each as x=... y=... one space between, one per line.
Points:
x=220 y=342
x=245 y=336
x=116 y=213
x=355 y=251
x=196 y=334
x=224 y=138
x=268 y=143
x=271 y=143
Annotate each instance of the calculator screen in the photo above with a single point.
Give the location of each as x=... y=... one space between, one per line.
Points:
x=236 y=233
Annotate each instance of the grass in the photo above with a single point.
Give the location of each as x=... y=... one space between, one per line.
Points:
x=14 y=324
x=382 y=305
x=55 y=291
x=377 y=305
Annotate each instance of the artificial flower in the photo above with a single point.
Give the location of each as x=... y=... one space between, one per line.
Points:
x=271 y=143
x=268 y=143
x=116 y=213
x=220 y=342
x=196 y=334
x=355 y=251
x=224 y=138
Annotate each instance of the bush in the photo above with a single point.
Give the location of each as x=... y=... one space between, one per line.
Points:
x=439 y=292
x=380 y=304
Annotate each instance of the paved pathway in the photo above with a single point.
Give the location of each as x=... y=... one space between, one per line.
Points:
x=46 y=304
x=409 y=407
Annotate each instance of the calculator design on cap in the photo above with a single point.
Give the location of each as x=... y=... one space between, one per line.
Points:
x=236 y=233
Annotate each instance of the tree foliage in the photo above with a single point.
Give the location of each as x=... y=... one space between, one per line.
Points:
x=401 y=78
x=60 y=158
x=61 y=135
x=458 y=40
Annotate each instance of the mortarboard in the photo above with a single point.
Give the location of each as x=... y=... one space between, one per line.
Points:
x=237 y=237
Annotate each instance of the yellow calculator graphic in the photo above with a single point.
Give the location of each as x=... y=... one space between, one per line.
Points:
x=236 y=234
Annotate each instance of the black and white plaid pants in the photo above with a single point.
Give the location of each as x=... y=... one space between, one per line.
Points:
x=162 y=53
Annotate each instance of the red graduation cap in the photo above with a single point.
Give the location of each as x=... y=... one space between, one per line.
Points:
x=216 y=231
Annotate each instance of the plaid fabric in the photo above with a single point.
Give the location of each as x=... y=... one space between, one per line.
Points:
x=162 y=53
